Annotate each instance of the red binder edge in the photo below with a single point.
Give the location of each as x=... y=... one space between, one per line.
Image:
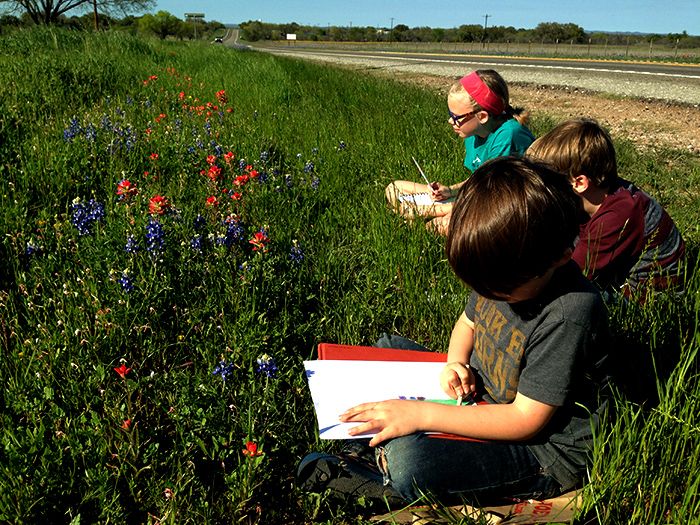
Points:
x=372 y=353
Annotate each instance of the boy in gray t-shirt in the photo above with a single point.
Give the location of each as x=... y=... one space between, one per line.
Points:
x=531 y=344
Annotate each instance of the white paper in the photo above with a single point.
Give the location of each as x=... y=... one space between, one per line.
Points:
x=419 y=199
x=337 y=385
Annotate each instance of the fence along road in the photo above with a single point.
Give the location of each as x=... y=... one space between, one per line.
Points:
x=653 y=80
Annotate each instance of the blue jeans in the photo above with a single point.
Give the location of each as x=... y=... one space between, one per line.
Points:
x=456 y=470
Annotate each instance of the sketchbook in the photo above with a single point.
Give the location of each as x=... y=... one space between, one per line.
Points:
x=337 y=385
x=417 y=199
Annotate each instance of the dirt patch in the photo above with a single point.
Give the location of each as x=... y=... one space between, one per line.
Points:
x=648 y=123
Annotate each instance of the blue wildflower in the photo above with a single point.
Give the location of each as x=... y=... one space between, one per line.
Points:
x=155 y=237
x=199 y=222
x=72 y=131
x=90 y=133
x=315 y=182
x=264 y=155
x=196 y=243
x=223 y=369
x=288 y=180
x=126 y=281
x=296 y=254
x=266 y=365
x=106 y=123
x=242 y=164
x=85 y=214
x=131 y=245
x=314 y=151
x=235 y=231
x=308 y=167
x=342 y=145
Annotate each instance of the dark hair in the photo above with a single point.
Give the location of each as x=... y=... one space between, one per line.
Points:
x=512 y=220
x=579 y=147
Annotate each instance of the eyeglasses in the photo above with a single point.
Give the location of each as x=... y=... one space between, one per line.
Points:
x=461 y=120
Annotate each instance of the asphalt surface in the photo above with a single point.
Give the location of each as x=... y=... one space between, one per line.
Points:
x=678 y=83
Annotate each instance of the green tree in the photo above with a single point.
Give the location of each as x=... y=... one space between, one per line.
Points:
x=162 y=24
x=49 y=11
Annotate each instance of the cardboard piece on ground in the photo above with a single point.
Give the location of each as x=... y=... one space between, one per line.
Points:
x=561 y=509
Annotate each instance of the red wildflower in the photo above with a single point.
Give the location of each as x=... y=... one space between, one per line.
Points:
x=160 y=117
x=126 y=425
x=221 y=96
x=158 y=205
x=181 y=95
x=259 y=241
x=248 y=167
x=211 y=159
x=148 y=131
x=214 y=172
x=212 y=201
x=254 y=173
x=122 y=370
x=154 y=156
x=126 y=189
x=241 y=180
x=251 y=450
x=236 y=196
x=228 y=157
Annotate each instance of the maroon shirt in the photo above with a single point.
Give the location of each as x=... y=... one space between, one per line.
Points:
x=630 y=240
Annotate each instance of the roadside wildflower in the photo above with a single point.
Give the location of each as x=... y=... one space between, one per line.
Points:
x=228 y=157
x=214 y=173
x=259 y=241
x=153 y=156
x=221 y=96
x=126 y=189
x=122 y=370
x=296 y=254
x=212 y=201
x=168 y=493
x=131 y=245
x=85 y=214
x=234 y=231
x=266 y=365
x=126 y=425
x=288 y=181
x=211 y=159
x=126 y=281
x=315 y=183
x=73 y=130
x=341 y=146
x=308 y=167
x=155 y=236
x=196 y=243
x=223 y=369
x=158 y=205
x=251 y=450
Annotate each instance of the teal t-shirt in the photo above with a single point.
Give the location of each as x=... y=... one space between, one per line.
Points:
x=512 y=138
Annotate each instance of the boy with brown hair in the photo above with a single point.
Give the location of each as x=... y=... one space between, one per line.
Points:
x=530 y=345
x=629 y=242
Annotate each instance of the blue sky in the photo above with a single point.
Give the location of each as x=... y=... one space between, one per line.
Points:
x=647 y=16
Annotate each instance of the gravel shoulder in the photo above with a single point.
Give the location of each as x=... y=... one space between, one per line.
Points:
x=653 y=112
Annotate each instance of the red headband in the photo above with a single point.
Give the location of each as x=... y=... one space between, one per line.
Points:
x=481 y=94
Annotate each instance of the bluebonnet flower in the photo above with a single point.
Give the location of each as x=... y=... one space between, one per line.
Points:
x=196 y=243
x=119 y=111
x=199 y=222
x=288 y=180
x=255 y=114
x=126 y=281
x=263 y=177
x=178 y=124
x=315 y=182
x=90 y=133
x=207 y=128
x=234 y=231
x=308 y=167
x=242 y=164
x=218 y=150
x=148 y=103
x=314 y=151
x=266 y=365
x=264 y=155
x=155 y=237
x=223 y=369
x=129 y=100
x=191 y=150
x=131 y=245
x=199 y=143
x=72 y=131
x=296 y=254
x=106 y=123
x=31 y=249
x=342 y=145
x=85 y=214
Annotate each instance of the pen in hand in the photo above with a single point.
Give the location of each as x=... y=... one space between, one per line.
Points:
x=430 y=184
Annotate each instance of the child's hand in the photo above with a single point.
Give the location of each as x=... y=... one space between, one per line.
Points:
x=389 y=419
x=457 y=379
x=440 y=192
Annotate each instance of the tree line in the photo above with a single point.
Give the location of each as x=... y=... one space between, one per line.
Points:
x=545 y=32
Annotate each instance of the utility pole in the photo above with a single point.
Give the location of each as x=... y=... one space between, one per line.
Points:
x=486 y=21
x=391 y=30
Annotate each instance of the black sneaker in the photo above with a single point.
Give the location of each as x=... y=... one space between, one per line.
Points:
x=345 y=476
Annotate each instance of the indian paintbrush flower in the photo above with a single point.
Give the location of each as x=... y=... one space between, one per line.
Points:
x=122 y=370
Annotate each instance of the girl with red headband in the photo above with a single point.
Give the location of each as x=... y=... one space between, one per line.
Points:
x=480 y=113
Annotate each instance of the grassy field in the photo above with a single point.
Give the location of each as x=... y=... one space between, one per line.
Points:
x=183 y=223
